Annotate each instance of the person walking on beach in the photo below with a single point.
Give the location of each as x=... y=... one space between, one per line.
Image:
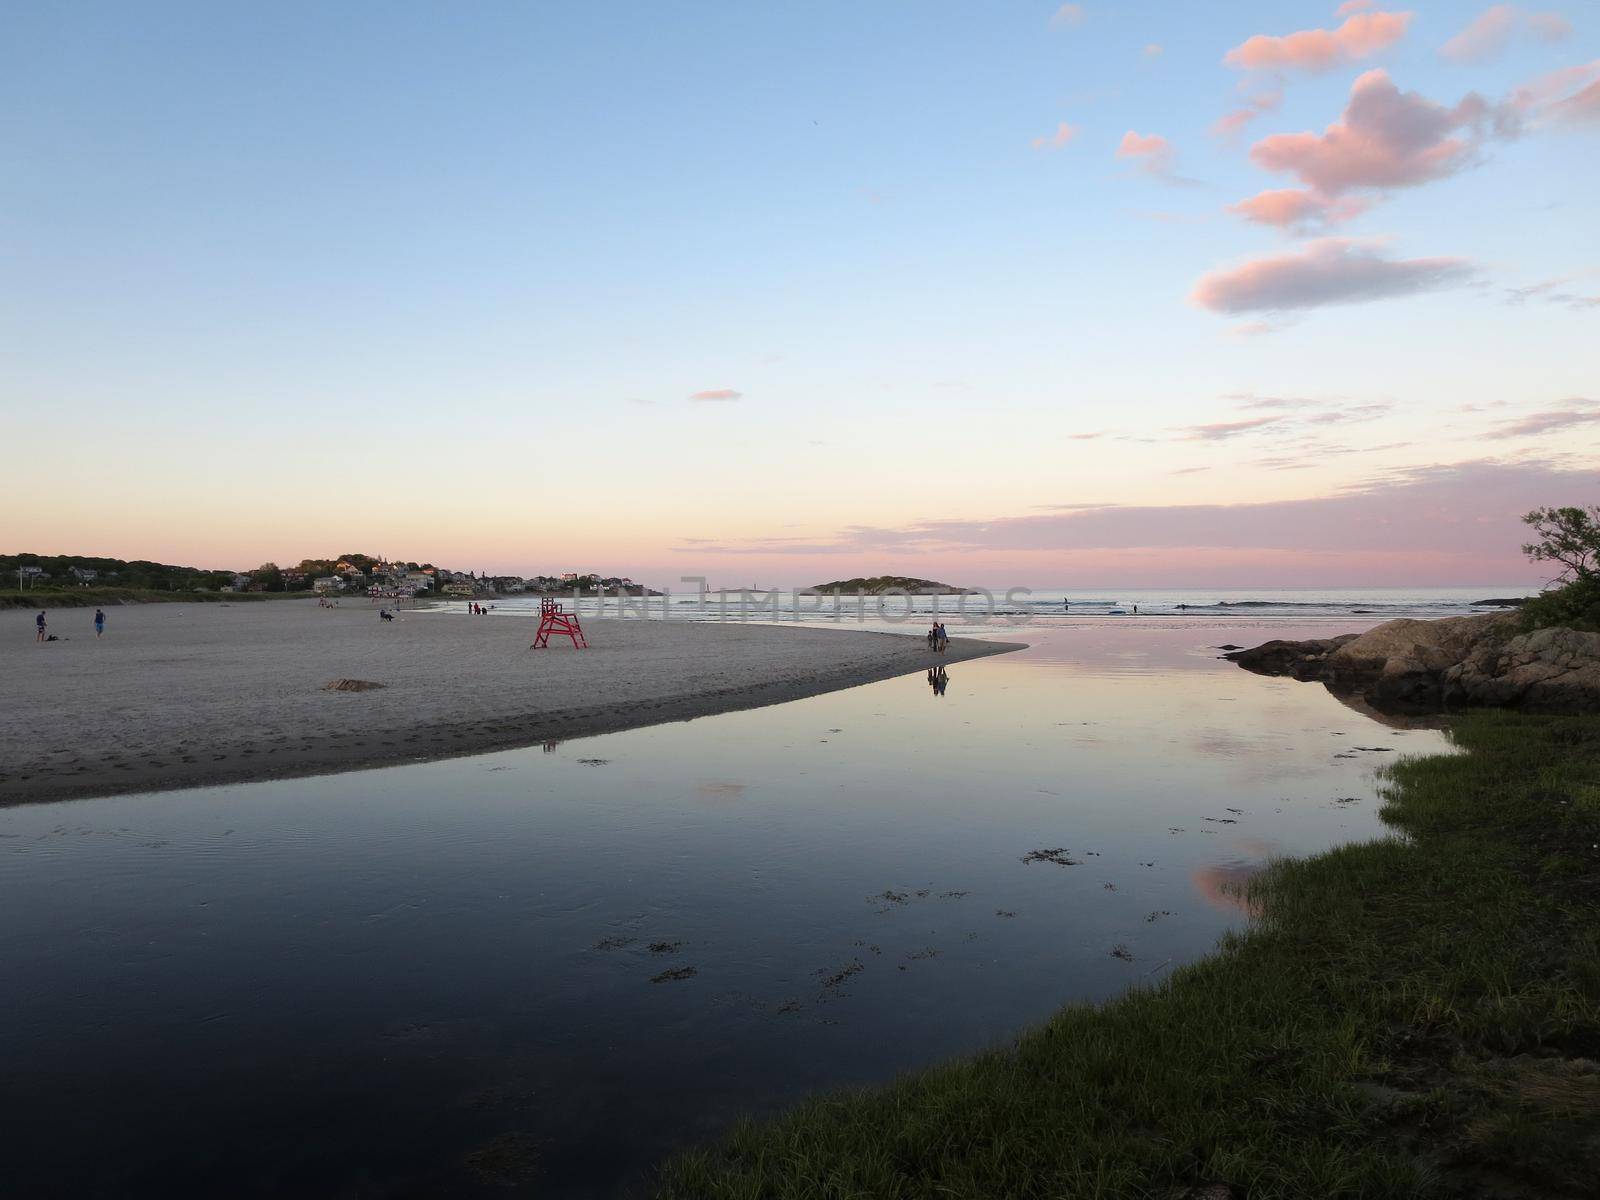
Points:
x=933 y=635
x=41 y=627
x=942 y=642
x=99 y=623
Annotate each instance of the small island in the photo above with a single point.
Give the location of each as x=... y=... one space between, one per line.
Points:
x=890 y=583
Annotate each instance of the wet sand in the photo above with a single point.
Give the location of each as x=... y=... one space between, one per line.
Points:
x=184 y=695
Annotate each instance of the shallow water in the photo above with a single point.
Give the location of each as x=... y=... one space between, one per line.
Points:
x=459 y=976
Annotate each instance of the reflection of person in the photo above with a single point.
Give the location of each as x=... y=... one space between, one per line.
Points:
x=938 y=679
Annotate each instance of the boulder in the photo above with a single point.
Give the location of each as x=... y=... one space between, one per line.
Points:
x=1548 y=670
x=1414 y=647
x=1459 y=662
x=1303 y=660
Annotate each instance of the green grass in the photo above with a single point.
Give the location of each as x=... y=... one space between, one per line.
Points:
x=92 y=597
x=1416 y=1016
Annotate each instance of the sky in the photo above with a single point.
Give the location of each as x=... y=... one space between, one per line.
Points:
x=1100 y=294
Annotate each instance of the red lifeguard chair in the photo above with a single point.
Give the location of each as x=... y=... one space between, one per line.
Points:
x=553 y=619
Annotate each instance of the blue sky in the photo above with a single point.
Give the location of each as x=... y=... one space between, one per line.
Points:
x=409 y=277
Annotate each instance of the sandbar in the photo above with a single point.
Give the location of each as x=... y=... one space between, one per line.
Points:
x=184 y=695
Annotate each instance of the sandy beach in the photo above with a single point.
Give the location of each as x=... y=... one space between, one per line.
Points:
x=180 y=695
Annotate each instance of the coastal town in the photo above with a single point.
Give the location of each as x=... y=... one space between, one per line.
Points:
x=346 y=575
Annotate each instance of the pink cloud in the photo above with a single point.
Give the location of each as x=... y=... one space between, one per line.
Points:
x=1145 y=146
x=718 y=394
x=1362 y=35
x=1354 y=6
x=1154 y=155
x=1255 y=106
x=1327 y=271
x=1436 y=523
x=1067 y=14
x=1581 y=412
x=1491 y=30
x=1251 y=329
x=1084 y=437
x=1298 y=209
x=1064 y=133
x=1385 y=139
x=1221 y=430
x=1153 y=50
x=1570 y=96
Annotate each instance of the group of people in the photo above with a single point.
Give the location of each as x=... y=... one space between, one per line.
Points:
x=938 y=639
x=42 y=627
x=479 y=610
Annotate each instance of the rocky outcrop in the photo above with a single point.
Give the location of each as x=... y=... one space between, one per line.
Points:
x=1459 y=662
x=1303 y=660
x=1548 y=670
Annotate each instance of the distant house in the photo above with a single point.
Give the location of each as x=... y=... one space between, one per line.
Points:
x=85 y=574
x=457 y=589
x=240 y=582
x=327 y=583
x=419 y=579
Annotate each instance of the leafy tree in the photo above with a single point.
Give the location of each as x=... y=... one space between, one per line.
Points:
x=1569 y=537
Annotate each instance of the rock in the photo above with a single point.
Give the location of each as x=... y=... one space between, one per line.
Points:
x=1504 y=602
x=351 y=685
x=1548 y=670
x=1303 y=660
x=1423 y=645
x=1425 y=666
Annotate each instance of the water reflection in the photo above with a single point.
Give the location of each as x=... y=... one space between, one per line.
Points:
x=551 y=966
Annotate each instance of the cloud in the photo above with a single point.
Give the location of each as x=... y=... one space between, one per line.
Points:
x=1067 y=15
x=1153 y=50
x=1430 y=522
x=1546 y=290
x=1487 y=35
x=1327 y=271
x=1570 y=96
x=1084 y=437
x=1251 y=329
x=1354 y=413
x=1232 y=123
x=1362 y=35
x=1064 y=133
x=1354 y=6
x=1581 y=412
x=1153 y=155
x=1222 y=430
x=1385 y=139
x=1251 y=400
x=718 y=394
x=1299 y=210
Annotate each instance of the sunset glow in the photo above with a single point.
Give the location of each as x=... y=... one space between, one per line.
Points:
x=1080 y=295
